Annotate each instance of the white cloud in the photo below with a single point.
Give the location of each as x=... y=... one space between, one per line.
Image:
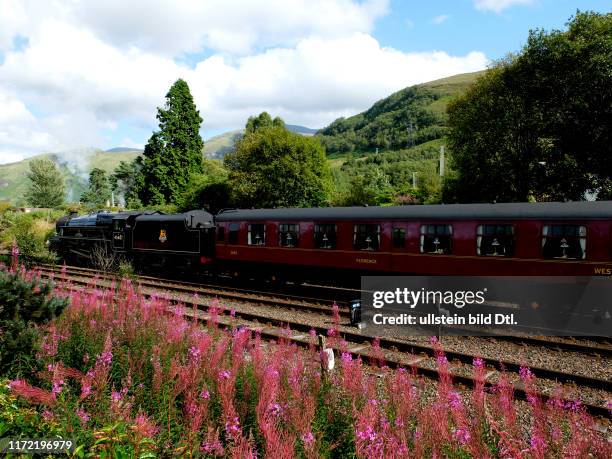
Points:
x=440 y=19
x=319 y=80
x=108 y=72
x=499 y=5
x=174 y=27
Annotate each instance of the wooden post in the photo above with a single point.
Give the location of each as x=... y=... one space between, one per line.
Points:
x=322 y=340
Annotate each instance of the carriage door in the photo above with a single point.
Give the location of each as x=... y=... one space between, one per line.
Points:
x=118 y=234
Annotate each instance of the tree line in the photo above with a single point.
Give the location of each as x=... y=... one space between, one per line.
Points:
x=534 y=127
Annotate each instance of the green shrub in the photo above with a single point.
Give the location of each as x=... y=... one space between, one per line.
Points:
x=23 y=304
x=31 y=231
x=19 y=421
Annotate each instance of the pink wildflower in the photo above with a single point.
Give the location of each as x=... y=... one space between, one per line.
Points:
x=308 y=438
x=462 y=436
x=144 y=426
x=82 y=415
x=454 y=399
x=57 y=387
x=525 y=373
x=232 y=427
x=194 y=354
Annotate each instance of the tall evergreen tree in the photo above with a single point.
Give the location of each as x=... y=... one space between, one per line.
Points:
x=46 y=187
x=173 y=153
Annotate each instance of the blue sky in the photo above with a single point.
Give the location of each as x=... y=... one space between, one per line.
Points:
x=410 y=24
x=75 y=75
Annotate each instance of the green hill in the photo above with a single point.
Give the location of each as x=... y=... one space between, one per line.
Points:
x=411 y=116
x=13 y=177
x=216 y=147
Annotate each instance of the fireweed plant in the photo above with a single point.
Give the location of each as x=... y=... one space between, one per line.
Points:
x=129 y=376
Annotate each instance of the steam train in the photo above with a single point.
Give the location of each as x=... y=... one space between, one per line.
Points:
x=340 y=244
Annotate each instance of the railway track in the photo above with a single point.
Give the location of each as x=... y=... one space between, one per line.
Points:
x=322 y=306
x=304 y=303
x=394 y=352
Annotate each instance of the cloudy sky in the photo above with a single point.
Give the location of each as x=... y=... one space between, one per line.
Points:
x=77 y=73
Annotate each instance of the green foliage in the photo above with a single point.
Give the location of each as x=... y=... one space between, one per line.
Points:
x=124 y=181
x=537 y=124
x=261 y=121
x=98 y=191
x=373 y=188
x=209 y=190
x=23 y=303
x=387 y=177
x=273 y=167
x=31 y=231
x=386 y=124
x=173 y=153
x=18 y=421
x=46 y=184
x=117 y=442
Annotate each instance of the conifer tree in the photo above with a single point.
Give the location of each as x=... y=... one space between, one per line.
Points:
x=174 y=152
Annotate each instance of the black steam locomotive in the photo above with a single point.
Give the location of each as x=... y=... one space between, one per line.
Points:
x=149 y=239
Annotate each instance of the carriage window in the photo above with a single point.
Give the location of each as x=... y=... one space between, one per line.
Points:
x=495 y=240
x=233 y=233
x=221 y=234
x=366 y=237
x=288 y=234
x=257 y=234
x=436 y=239
x=399 y=237
x=564 y=242
x=325 y=236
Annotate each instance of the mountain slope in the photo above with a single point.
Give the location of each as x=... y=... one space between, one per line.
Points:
x=14 y=181
x=410 y=116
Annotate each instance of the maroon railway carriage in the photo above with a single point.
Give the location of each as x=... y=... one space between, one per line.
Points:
x=344 y=243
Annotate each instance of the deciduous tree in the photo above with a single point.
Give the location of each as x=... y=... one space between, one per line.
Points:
x=46 y=187
x=538 y=124
x=273 y=167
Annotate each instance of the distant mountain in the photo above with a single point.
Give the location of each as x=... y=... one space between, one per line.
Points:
x=123 y=149
x=301 y=129
x=411 y=116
